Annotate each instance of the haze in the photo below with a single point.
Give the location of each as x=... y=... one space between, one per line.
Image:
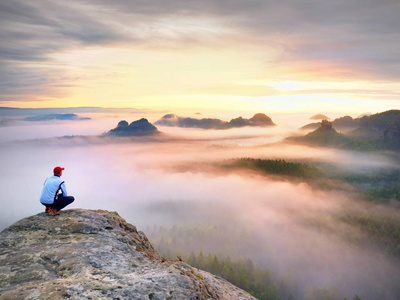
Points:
x=125 y=60
x=287 y=227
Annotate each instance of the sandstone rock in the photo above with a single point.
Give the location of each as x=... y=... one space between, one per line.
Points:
x=87 y=254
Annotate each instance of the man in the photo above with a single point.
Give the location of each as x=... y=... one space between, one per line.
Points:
x=51 y=196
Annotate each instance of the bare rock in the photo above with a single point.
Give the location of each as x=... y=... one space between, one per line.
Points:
x=88 y=254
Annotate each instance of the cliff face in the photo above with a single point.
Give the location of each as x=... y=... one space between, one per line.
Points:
x=86 y=254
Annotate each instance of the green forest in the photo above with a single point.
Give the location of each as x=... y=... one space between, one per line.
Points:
x=374 y=185
x=383 y=230
x=274 y=167
x=242 y=273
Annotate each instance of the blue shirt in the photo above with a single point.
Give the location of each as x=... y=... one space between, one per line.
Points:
x=52 y=186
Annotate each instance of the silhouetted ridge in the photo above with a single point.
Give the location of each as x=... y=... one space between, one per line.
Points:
x=383 y=126
x=345 y=123
x=137 y=128
x=50 y=117
x=259 y=119
x=319 y=117
x=388 y=120
x=380 y=131
x=325 y=135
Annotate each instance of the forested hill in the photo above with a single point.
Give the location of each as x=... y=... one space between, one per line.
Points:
x=386 y=123
x=376 y=132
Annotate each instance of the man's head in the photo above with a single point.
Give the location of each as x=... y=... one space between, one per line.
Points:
x=58 y=171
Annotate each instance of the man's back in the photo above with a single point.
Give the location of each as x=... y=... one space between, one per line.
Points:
x=50 y=189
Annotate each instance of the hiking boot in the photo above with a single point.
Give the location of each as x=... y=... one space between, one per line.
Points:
x=53 y=211
x=47 y=210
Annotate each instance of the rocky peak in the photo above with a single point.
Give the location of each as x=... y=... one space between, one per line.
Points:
x=326 y=125
x=137 y=128
x=261 y=120
x=170 y=116
x=319 y=117
x=87 y=254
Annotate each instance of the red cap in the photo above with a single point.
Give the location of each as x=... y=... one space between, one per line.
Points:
x=58 y=170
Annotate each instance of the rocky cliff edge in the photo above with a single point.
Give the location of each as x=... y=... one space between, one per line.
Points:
x=95 y=254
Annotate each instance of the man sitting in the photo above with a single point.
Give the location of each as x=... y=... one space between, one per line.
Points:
x=54 y=194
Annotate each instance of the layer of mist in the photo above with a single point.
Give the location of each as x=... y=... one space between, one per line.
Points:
x=289 y=228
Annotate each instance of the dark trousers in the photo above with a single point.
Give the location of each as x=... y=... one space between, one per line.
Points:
x=61 y=202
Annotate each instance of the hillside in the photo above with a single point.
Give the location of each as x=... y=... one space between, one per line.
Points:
x=345 y=123
x=376 y=132
x=325 y=135
x=87 y=254
x=385 y=125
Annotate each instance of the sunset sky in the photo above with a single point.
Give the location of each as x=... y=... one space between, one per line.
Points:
x=270 y=56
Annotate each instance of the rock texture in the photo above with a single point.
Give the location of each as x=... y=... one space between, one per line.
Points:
x=86 y=254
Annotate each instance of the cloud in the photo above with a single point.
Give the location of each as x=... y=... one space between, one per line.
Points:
x=352 y=40
x=20 y=81
x=32 y=35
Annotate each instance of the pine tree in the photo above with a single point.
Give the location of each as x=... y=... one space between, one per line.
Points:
x=215 y=266
x=192 y=259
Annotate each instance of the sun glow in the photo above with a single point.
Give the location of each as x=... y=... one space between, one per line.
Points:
x=286 y=85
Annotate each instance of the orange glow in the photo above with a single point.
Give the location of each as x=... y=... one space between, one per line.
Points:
x=195 y=79
x=286 y=85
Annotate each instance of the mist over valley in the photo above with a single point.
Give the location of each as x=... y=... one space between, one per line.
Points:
x=318 y=219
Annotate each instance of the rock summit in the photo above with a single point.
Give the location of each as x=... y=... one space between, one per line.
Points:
x=96 y=254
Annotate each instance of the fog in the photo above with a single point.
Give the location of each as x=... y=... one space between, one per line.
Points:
x=289 y=228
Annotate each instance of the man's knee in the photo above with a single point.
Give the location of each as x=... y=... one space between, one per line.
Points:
x=66 y=199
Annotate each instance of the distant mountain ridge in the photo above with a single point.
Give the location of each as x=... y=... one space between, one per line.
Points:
x=380 y=131
x=345 y=123
x=259 y=119
x=325 y=135
x=13 y=111
x=50 y=117
x=319 y=117
x=140 y=127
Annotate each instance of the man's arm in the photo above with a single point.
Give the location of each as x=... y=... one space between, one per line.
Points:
x=63 y=189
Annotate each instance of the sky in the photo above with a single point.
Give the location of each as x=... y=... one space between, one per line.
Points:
x=270 y=56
